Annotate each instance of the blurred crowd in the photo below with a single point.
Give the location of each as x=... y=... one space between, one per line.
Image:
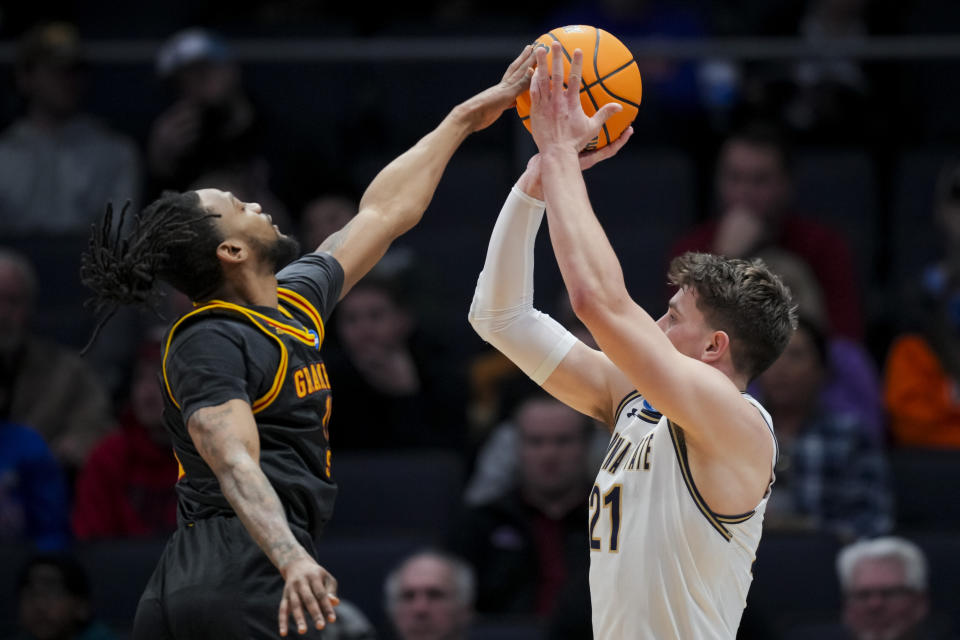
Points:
x=865 y=399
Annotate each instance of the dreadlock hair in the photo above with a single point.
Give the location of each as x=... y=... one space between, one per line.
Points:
x=174 y=239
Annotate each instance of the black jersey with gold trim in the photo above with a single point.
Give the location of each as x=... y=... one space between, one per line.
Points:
x=270 y=358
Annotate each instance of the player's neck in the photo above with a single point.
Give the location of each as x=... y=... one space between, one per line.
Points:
x=726 y=367
x=251 y=290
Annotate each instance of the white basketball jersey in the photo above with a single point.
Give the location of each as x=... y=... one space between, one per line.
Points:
x=662 y=564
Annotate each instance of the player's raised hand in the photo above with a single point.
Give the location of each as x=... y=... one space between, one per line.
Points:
x=483 y=109
x=591 y=158
x=308 y=586
x=531 y=184
x=556 y=116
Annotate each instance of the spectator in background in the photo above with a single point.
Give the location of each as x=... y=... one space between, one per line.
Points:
x=322 y=217
x=884 y=583
x=394 y=387
x=213 y=125
x=126 y=488
x=528 y=545
x=59 y=166
x=851 y=382
x=430 y=597
x=827 y=99
x=33 y=492
x=754 y=189
x=43 y=384
x=922 y=387
x=54 y=594
x=831 y=474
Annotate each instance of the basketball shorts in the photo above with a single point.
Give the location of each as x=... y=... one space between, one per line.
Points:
x=213 y=581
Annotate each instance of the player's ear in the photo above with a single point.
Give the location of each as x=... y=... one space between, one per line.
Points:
x=719 y=344
x=232 y=251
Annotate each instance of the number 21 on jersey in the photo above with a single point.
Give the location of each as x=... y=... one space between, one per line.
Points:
x=608 y=501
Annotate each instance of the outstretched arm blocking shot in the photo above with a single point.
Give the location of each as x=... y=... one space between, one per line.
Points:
x=398 y=196
x=247 y=396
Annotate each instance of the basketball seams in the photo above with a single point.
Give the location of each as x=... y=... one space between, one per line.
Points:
x=628 y=81
x=566 y=54
x=596 y=69
x=596 y=72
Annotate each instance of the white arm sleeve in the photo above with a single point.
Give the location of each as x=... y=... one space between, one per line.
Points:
x=502 y=311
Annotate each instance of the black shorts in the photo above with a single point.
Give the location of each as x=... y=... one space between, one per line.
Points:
x=213 y=581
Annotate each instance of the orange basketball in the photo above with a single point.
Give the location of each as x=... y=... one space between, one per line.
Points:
x=610 y=74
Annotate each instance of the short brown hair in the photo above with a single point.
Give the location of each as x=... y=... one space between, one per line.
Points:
x=743 y=298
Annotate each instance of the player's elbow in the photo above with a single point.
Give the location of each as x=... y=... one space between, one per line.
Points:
x=593 y=306
x=585 y=302
x=480 y=322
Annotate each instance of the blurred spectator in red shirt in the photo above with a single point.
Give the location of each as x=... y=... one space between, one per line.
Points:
x=127 y=486
x=753 y=185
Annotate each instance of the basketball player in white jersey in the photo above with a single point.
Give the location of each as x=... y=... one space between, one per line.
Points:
x=676 y=511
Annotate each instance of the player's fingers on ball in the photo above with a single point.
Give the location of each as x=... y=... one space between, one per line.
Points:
x=619 y=142
x=283 y=615
x=576 y=73
x=556 y=68
x=517 y=63
x=605 y=112
x=540 y=75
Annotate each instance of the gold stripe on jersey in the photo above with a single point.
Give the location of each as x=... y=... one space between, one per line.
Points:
x=180 y=470
x=297 y=300
x=264 y=401
x=680 y=448
x=623 y=404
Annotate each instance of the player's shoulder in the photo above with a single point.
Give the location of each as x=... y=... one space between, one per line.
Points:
x=309 y=264
x=634 y=406
x=206 y=326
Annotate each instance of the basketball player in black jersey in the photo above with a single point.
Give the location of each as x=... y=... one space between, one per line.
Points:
x=247 y=394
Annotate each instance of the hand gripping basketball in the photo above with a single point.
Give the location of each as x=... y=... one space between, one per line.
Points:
x=556 y=115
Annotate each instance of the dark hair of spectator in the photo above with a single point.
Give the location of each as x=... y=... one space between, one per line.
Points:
x=174 y=239
x=764 y=135
x=75 y=579
x=817 y=336
x=389 y=285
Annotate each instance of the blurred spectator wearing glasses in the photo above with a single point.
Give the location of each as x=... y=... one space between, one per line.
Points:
x=58 y=165
x=922 y=391
x=884 y=583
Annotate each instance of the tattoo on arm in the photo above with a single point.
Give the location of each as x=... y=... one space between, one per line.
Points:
x=336 y=240
x=244 y=484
